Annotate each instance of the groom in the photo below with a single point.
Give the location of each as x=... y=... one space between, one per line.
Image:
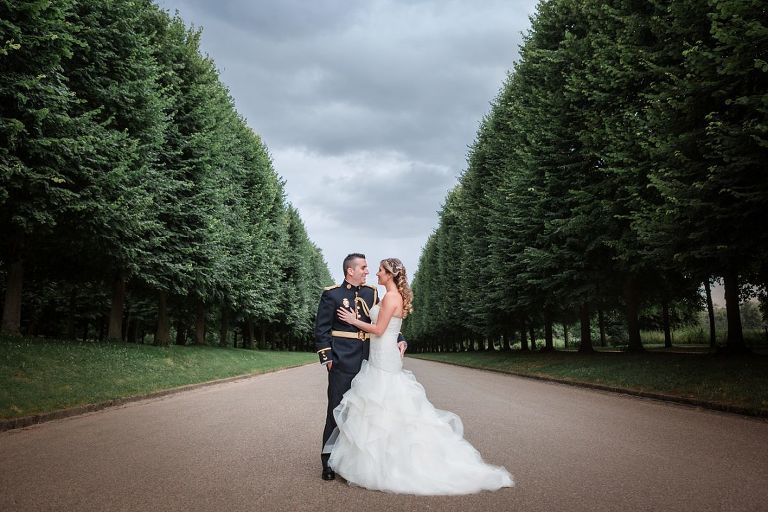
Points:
x=341 y=346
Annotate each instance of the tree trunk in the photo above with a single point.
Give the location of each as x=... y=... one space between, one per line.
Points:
x=34 y=318
x=735 y=340
x=601 y=325
x=565 y=335
x=247 y=333
x=70 y=326
x=163 y=331
x=665 y=320
x=200 y=323
x=181 y=334
x=115 y=332
x=533 y=336
x=131 y=332
x=633 y=310
x=523 y=338
x=711 y=314
x=224 y=326
x=549 y=344
x=124 y=325
x=102 y=327
x=586 y=336
x=15 y=280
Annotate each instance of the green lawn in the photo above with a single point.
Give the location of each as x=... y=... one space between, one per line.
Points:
x=740 y=381
x=40 y=376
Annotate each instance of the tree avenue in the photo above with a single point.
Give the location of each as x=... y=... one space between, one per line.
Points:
x=134 y=199
x=621 y=167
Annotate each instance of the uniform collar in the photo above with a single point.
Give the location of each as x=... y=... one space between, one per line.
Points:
x=350 y=286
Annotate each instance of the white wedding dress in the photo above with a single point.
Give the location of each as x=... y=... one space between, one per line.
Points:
x=391 y=438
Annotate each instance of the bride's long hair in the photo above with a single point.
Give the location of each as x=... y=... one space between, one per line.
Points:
x=396 y=268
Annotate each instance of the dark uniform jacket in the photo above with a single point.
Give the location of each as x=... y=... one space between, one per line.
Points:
x=336 y=340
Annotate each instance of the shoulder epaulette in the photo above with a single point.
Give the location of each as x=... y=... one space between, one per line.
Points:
x=375 y=293
x=331 y=287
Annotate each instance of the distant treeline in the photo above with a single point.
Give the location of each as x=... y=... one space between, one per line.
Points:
x=134 y=199
x=623 y=165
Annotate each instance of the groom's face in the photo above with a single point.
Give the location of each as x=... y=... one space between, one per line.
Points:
x=358 y=272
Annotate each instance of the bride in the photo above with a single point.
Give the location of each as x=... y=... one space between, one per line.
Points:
x=389 y=437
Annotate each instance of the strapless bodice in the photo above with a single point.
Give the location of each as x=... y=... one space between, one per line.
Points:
x=384 y=353
x=395 y=323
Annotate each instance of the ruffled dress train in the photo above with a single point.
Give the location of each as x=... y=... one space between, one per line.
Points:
x=391 y=438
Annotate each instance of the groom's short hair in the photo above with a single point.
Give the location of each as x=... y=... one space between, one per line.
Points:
x=349 y=259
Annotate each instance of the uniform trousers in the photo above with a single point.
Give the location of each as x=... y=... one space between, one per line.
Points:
x=339 y=383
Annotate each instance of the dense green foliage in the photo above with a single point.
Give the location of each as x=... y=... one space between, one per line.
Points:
x=622 y=165
x=134 y=199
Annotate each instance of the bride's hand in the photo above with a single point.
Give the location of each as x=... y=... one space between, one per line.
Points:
x=346 y=315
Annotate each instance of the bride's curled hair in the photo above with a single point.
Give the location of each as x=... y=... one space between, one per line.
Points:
x=396 y=268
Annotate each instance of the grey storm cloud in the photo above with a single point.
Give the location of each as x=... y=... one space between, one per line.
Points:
x=280 y=20
x=372 y=101
x=338 y=76
x=405 y=194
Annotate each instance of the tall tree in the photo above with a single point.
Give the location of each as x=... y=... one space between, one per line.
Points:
x=40 y=137
x=706 y=125
x=116 y=79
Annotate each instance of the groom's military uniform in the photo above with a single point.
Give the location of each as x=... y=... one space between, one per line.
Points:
x=343 y=344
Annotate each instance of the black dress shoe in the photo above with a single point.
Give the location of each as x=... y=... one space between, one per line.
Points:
x=328 y=474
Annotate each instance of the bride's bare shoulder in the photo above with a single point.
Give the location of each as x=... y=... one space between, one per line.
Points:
x=390 y=298
x=395 y=302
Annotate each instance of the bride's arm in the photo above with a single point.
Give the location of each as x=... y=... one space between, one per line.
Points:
x=386 y=311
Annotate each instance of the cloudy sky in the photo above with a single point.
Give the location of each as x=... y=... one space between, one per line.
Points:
x=367 y=107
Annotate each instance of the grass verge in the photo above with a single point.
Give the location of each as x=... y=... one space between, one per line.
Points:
x=738 y=383
x=38 y=376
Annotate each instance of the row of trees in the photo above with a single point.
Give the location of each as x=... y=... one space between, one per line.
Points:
x=623 y=164
x=124 y=166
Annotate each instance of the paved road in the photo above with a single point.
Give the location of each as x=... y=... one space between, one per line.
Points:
x=253 y=445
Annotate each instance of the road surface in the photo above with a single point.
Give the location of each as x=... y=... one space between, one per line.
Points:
x=253 y=445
